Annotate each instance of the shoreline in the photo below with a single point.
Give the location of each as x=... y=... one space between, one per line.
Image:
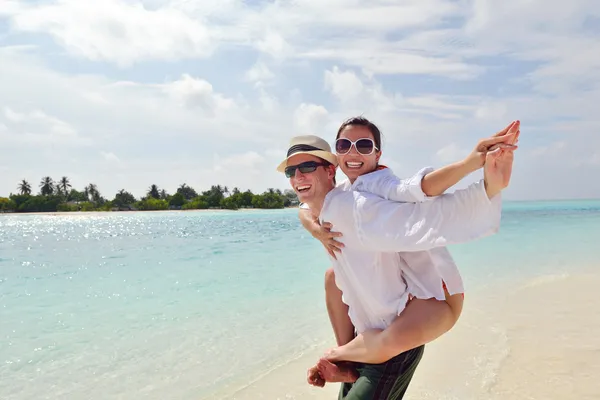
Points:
x=79 y=213
x=531 y=340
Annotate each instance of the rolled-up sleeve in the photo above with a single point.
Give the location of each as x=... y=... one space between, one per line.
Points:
x=409 y=190
x=393 y=188
x=465 y=215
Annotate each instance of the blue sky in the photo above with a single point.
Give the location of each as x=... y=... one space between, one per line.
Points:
x=127 y=93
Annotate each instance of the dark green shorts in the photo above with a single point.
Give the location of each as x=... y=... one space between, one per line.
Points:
x=387 y=381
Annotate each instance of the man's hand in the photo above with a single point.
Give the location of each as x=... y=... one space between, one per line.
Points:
x=506 y=138
x=497 y=170
x=314 y=378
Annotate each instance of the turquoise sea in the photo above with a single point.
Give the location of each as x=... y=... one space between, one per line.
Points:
x=194 y=305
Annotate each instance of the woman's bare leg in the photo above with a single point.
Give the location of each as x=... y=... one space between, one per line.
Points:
x=421 y=322
x=337 y=310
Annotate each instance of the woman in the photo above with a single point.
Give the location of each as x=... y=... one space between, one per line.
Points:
x=432 y=277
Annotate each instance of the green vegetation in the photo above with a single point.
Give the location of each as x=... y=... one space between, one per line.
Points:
x=60 y=196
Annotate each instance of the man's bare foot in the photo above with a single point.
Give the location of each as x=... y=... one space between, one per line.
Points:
x=342 y=372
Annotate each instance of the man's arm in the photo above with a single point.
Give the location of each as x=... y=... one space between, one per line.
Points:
x=390 y=187
x=309 y=221
x=462 y=216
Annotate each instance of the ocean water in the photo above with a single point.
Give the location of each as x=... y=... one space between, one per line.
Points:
x=196 y=305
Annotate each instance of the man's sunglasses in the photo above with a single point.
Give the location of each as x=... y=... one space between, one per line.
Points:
x=305 y=168
x=363 y=146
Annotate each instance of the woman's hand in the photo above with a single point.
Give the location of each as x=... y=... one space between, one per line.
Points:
x=325 y=236
x=507 y=138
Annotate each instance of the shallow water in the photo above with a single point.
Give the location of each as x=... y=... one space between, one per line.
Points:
x=187 y=304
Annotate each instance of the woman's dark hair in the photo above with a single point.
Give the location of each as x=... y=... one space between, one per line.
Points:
x=361 y=121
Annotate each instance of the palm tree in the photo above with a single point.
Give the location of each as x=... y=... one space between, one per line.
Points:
x=153 y=191
x=123 y=199
x=24 y=187
x=64 y=185
x=46 y=186
x=187 y=191
x=91 y=192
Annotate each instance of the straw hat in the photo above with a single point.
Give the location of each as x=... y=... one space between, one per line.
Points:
x=308 y=144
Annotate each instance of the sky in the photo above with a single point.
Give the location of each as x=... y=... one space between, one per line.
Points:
x=129 y=93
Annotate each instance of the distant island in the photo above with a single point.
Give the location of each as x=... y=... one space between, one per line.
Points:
x=59 y=195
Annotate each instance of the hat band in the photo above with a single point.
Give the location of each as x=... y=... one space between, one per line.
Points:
x=302 y=147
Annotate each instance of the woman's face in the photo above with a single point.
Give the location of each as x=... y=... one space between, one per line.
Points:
x=362 y=157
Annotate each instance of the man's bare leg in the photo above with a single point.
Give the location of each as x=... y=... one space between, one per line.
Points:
x=421 y=322
x=337 y=310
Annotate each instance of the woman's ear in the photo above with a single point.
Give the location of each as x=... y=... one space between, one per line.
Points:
x=378 y=156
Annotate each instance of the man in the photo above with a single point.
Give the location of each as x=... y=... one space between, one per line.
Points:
x=375 y=230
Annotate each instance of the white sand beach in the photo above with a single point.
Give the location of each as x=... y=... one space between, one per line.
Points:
x=539 y=340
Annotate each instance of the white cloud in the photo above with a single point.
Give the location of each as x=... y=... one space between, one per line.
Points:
x=594 y=159
x=553 y=149
x=129 y=32
x=494 y=111
x=13 y=116
x=359 y=95
x=248 y=162
x=259 y=74
x=426 y=71
x=344 y=85
x=273 y=44
x=354 y=33
x=451 y=153
x=39 y=129
x=110 y=157
x=391 y=58
x=311 y=119
x=198 y=94
x=116 y=31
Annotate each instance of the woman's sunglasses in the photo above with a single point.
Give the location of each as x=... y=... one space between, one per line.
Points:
x=305 y=168
x=363 y=146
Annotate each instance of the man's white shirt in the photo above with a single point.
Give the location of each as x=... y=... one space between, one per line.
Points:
x=369 y=269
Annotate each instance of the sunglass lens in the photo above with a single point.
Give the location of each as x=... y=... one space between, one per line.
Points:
x=364 y=146
x=305 y=168
x=342 y=146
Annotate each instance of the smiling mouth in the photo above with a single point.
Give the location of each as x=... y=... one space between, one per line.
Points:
x=354 y=164
x=302 y=188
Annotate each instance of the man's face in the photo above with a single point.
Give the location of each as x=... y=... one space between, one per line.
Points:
x=311 y=186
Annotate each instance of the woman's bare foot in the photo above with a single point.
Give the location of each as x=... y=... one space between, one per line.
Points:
x=342 y=372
